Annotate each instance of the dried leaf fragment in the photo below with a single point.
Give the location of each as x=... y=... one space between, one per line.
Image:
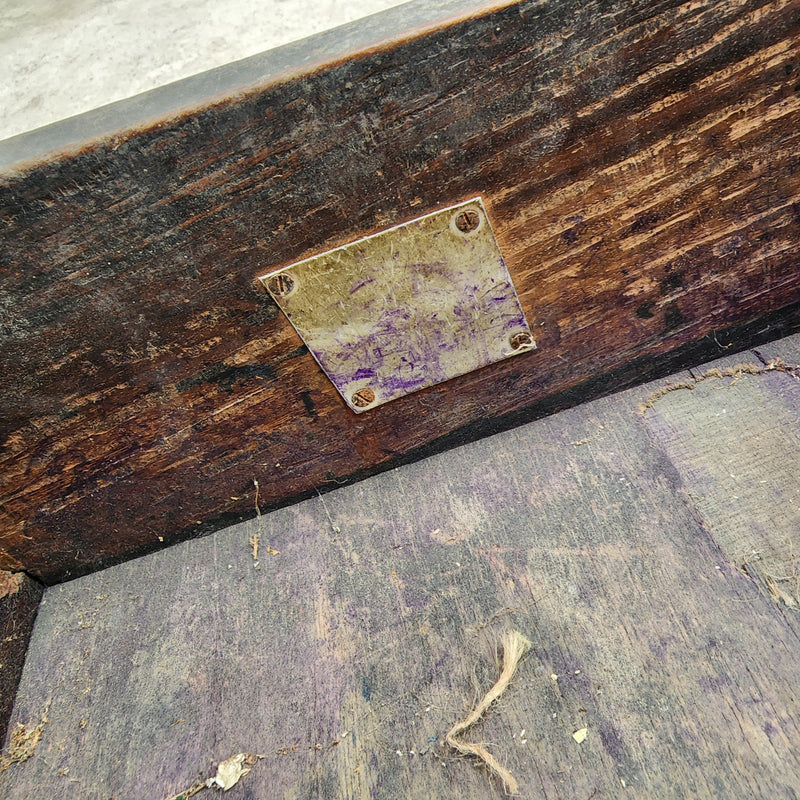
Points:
x=230 y=770
x=228 y=774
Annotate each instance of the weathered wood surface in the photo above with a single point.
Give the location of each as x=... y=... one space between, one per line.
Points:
x=19 y=601
x=369 y=627
x=639 y=163
x=732 y=428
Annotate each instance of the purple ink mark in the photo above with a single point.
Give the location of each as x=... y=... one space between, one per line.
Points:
x=398 y=384
x=714 y=683
x=361 y=285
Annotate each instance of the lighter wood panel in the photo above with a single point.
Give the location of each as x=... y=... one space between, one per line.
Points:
x=370 y=624
x=733 y=431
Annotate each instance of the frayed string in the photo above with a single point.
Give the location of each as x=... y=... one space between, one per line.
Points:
x=515 y=645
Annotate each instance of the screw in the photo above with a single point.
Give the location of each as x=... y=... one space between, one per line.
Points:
x=363 y=398
x=468 y=220
x=519 y=340
x=280 y=285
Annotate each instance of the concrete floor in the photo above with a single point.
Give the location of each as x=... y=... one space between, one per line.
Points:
x=64 y=57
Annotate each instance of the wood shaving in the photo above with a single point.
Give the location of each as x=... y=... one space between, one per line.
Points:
x=23 y=742
x=256 y=538
x=10 y=582
x=196 y=787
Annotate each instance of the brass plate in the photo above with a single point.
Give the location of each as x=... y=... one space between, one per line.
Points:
x=407 y=308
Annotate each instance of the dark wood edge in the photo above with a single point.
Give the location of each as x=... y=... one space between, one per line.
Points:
x=728 y=341
x=19 y=603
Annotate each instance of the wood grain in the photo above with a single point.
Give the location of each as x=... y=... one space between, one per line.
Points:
x=734 y=436
x=639 y=165
x=370 y=627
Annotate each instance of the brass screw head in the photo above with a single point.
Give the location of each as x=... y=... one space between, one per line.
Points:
x=363 y=398
x=281 y=284
x=468 y=220
x=519 y=340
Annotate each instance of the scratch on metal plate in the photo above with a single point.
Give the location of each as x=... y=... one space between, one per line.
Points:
x=407 y=308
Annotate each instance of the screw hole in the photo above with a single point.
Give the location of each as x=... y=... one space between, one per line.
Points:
x=520 y=340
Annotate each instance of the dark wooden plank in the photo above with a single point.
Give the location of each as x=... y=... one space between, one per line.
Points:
x=19 y=602
x=369 y=627
x=639 y=165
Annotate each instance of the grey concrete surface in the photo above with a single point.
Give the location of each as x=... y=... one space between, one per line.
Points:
x=59 y=58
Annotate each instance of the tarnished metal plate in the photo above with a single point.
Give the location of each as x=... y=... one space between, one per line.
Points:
x=407 y=308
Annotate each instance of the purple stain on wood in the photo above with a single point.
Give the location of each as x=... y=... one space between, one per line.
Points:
x=613 y=744
x=366 y=688
x=714 y=683
x=415 y=597
x=661 y=647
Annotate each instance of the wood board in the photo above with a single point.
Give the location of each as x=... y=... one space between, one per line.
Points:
x=371 y=621
x=639 y=165
x=738 y=462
